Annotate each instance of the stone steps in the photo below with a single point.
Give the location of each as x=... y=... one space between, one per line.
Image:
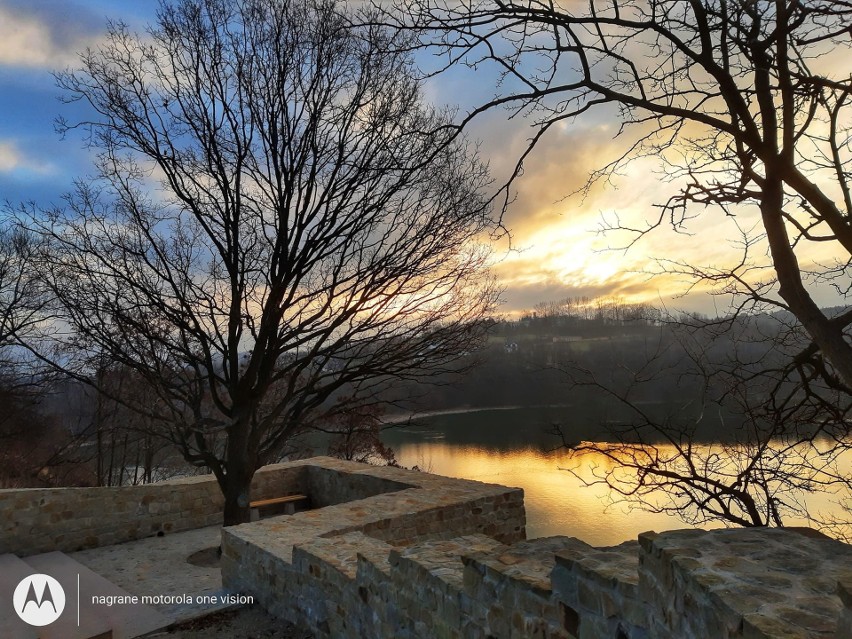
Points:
x=81 y=618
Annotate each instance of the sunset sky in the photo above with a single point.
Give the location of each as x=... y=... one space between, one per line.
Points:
x=556 y=249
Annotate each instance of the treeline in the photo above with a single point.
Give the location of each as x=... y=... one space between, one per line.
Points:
x=538 y=358
x=67 y=433
x=603 y=309
x=525 y=358
x=580 y=317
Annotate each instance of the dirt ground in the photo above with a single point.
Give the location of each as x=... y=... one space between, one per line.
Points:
x=246 y=623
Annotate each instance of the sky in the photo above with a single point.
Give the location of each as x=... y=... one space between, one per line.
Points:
x=556 y=249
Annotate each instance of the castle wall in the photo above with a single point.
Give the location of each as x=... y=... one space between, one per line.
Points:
x=386 y=552
x=446 y=558
x=691 y=584
x=34 y=520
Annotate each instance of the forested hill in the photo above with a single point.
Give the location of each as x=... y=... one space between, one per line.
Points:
x=530 y=360
x=522 y=360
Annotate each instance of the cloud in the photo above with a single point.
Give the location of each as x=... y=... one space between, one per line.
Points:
x=12 y=159
x=45 y=35
x=561 y=249
x=561 y=252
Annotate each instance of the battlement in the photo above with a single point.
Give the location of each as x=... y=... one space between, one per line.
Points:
x=447 y=558
x=388 y=552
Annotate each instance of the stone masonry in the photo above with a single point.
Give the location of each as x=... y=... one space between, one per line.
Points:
x=386 y=552
x=34 y=520
x=446 y=558
x=298 y=566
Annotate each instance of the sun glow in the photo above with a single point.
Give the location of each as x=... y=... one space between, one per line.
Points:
x=569 y=259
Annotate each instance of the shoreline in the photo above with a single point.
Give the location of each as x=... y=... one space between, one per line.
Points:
x=400 y=418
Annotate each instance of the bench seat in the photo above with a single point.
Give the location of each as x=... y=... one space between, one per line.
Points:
x=277 y=500
x=289 y=502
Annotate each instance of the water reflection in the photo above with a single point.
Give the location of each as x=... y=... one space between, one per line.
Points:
x=557 y=503
x=514 y=448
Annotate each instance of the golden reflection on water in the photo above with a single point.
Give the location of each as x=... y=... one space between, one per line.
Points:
x=557 y=502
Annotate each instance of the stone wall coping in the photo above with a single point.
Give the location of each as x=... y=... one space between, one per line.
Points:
x=445 y=559
x=370 y=552
x=613 y=568
x=527 y=562
x=340 y=552
x=770 y=578
x=426 y=493
x=280 y=534
x=646 y=539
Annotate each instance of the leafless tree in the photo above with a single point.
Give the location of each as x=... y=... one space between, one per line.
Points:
x=22 y=298
x=124 y=446
x=733 y=97
x=276 y=221
x=733 y=441
x=356 y=436
x=24 y=428
x=747 y=107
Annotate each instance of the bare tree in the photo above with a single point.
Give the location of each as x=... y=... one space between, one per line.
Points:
x=743 y=105
x=697 y=430
x=276 y=222
x=126 y=447
x=356 y=436
x=26 y=433
x=731 y=96
x=22 y=298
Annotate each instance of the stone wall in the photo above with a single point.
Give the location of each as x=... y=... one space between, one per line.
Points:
x=387 y=552
x=330 y=486
x=34 y=520
x=724 y=584
x=302 y=567
x=447 y=559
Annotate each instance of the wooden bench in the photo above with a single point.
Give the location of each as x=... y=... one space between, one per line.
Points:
x=288 y=501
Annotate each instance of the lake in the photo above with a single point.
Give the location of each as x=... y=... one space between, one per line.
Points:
x=515 y=447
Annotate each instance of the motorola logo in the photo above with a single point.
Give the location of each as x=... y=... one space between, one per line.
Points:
x=39 y=600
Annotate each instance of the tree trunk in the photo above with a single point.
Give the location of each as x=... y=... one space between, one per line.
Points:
x=149 y=459
x=99 y=448
x=237 y=491
x=239 y=470
x=827 y=337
